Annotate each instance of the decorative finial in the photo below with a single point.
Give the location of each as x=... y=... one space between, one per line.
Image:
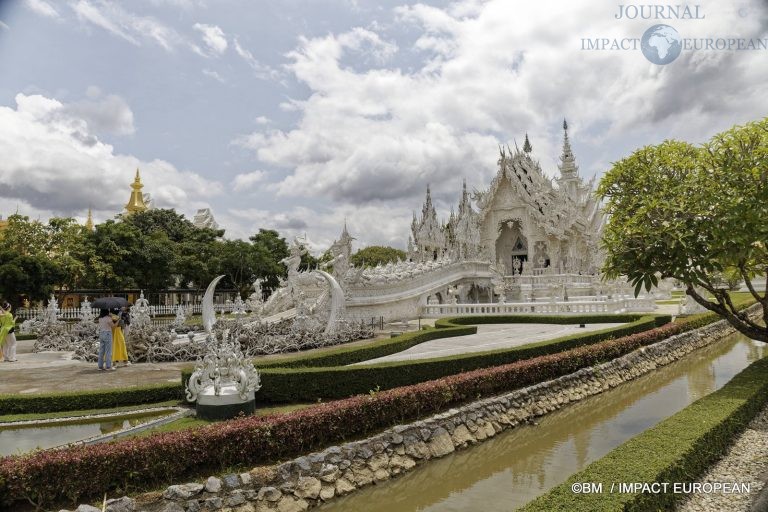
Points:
x=89 y=221
x=565 y=125
x=527 y=145
x=136 y=201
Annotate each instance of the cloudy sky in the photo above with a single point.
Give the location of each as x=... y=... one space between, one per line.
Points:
x=297 y=115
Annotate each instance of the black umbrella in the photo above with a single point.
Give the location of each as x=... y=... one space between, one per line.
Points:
x=109 y=303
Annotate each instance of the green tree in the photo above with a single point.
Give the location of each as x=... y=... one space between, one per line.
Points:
x=26 y=275
x=176 y=227
x=115 y=244
x=373 y=255
x=696 y=214
x=62 y=243
x=241 y=263
x=271 y=249
x=23 y=236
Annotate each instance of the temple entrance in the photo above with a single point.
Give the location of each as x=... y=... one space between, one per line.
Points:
x=511 y=247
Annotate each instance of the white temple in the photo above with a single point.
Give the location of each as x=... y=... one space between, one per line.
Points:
x=523 y=221
x=527 y=245
x=204 y=219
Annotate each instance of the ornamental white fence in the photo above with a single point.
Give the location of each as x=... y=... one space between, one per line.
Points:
x=74 y=313
x=620 y=305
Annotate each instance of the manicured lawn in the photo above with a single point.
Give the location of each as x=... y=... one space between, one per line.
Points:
x=68 y=414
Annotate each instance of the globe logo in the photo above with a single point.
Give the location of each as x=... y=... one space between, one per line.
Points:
x=661 y=44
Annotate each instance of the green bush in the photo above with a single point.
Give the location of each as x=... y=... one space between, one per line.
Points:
x=457 y=326
x=348 y=355
x=301 y=380
x=679 y=449
x=81 y=400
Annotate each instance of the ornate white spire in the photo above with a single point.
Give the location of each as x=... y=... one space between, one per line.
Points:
x=568 y=167
x=464 y=204
x=527 y=145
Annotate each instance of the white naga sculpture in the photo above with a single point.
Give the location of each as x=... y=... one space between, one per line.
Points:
x=224 y=382
x=336 y=313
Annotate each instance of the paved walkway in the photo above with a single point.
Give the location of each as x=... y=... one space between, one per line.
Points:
x=50 y=372
x=489 y=337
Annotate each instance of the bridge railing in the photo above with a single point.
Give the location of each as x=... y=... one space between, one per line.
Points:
x=621 y=305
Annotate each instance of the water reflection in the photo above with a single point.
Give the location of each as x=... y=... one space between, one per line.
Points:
x=516 y=466
x=21 y=440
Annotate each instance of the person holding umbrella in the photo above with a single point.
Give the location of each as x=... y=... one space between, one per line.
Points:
x=119 y=351
x=106 y=323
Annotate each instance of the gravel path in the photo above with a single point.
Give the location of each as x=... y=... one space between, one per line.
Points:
x=745 y=462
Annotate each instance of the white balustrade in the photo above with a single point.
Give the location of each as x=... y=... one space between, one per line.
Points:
x=619 y=305
x=74 y=313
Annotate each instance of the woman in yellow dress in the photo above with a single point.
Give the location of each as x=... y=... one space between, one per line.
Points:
x=119 y=351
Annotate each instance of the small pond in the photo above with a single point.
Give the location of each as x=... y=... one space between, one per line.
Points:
x=49 y=434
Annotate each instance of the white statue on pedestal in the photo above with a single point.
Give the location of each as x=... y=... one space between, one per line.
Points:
x=224 y=381
x=181 y=318
x=86 y=312
x=51 y=315
x=141 y=314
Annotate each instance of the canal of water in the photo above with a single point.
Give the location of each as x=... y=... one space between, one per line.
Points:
x=14 y=441
x=518 y=465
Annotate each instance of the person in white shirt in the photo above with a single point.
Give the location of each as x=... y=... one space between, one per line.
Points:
x=106 y=323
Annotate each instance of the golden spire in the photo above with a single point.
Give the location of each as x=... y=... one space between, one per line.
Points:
x=89 y=221
x=136 y=202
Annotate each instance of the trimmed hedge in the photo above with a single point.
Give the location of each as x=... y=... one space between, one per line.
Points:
x=141 y=463
x=679 y=449
x=348 y=355
x=458 y=326
x=308 y=384
x=549 y=319
x=81 y=400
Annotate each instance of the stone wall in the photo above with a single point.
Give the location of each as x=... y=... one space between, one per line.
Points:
x=308 y=481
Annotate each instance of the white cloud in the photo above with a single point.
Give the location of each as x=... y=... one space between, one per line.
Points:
x=110 y=114
x=261 y=70
x=262 y=120
x=372 y=133
x=42 y=8
x=127 y=25
x=54 y=163
x=214 y=75
x=322 y=226
x=213 y=37
x=489 y=72
x=248 y=180
x=4 y=26
x=183 y=4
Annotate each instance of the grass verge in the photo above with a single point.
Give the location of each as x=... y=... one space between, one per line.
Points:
x=679 y=449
